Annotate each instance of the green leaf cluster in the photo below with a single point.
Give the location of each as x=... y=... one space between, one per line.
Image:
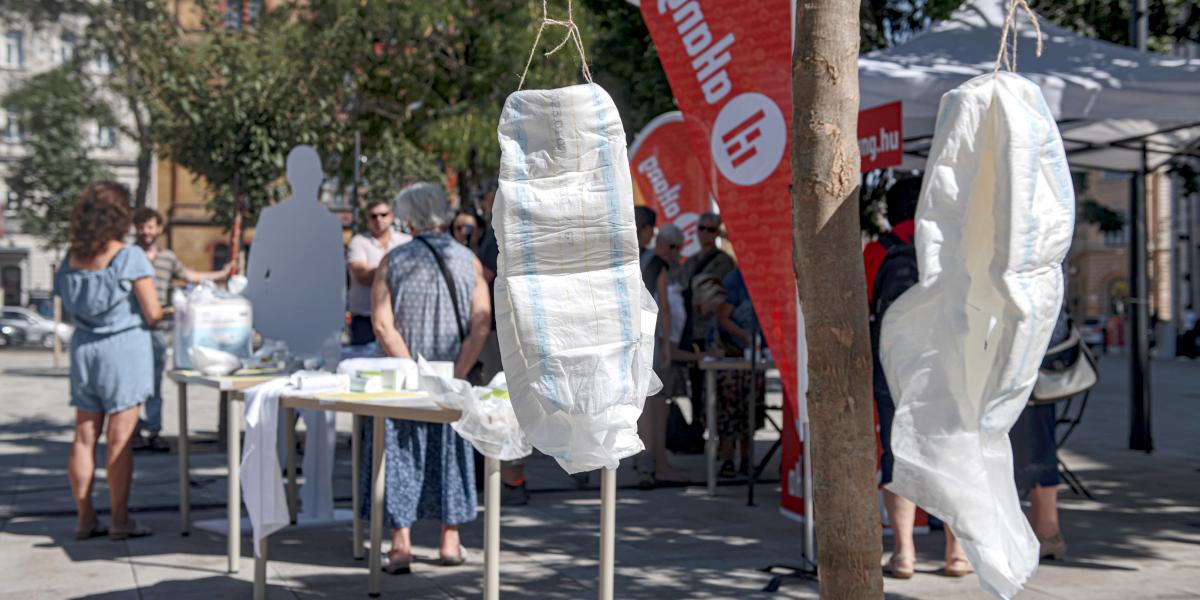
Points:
x=56 y=110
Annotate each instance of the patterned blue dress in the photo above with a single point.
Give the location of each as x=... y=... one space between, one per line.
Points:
x=429 y=469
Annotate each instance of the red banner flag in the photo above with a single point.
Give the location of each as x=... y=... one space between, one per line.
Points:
x=880 y=137
x=670 y=178
x=729 y=66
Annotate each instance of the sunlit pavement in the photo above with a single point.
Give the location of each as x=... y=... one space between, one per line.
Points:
x=1139 y=538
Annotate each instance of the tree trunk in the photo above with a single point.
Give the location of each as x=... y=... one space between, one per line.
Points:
x=235 y=235
x=827 y=257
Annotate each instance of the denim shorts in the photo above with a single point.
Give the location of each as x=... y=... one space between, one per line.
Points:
x=113 y=372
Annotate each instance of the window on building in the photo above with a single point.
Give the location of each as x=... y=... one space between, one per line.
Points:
x=66 y=48
x=12 y=55
x=241 y=11
x=106 y=137
x=1117 y=238
x=10 y=127
x=101 y=64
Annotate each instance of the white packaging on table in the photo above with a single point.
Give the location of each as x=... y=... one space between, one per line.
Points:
x=574 y=321
x=211 y=318
x=961 y=349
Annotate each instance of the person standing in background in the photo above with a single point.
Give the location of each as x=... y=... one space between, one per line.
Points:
x=149 y=224
x=430 y=300
x=363 y=255
x=645 y=220
x=710 y=260
x=466 y=230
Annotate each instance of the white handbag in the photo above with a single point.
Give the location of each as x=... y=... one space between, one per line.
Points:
x=1069 y=370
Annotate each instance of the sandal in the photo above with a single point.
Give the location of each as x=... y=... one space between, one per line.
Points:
x=901 y=567
x=95 y=531
x=958 y=566
x=452 y=561
x=1053 y=547
x=397 y=567
x=134 y=530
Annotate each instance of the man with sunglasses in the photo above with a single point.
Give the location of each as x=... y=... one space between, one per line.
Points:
x=364 y=253
x=710 y=260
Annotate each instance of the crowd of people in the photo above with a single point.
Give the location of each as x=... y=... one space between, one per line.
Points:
x=430 y=292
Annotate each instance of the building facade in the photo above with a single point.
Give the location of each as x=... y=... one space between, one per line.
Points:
x=26 y=263
x=1098 y=263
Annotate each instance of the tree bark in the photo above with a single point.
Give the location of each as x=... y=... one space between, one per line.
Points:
x=827 y=257
x=235 y=234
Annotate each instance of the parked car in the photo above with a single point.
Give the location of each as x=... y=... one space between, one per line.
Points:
x=1093 y=333
x=11 y=336
x=34 y=328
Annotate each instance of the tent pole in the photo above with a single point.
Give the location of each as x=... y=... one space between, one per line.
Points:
x=1139 y=380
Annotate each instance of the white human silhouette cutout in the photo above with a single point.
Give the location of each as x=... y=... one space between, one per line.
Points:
x=296 y=269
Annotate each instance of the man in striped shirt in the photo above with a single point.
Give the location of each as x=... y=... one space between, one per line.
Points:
x=167 y=268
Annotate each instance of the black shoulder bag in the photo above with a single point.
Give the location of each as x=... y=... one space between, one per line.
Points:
x=476 y=373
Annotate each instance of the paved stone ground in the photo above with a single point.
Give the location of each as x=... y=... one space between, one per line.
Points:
x=1139 y=538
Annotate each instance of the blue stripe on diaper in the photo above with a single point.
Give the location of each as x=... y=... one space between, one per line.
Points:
x=614 y=230
x=529 y=261
x=1027 y=259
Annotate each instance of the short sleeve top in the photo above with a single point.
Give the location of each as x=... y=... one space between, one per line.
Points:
x=424 y=313
x=167 y=267
x=364 y=248
x=102 y=302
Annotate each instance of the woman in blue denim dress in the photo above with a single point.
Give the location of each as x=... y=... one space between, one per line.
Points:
x=108 y=288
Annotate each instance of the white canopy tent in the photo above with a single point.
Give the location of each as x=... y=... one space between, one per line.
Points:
x=1109 y=100
x=1118 y=109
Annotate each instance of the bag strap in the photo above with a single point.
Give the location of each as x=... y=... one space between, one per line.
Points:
x=462 y=335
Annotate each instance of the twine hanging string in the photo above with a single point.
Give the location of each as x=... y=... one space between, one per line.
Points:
x=572 y=34
x=1010 y=24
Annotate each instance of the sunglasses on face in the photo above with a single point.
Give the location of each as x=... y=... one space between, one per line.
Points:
x=708 y=229
x=381 y=215
x=672 y=246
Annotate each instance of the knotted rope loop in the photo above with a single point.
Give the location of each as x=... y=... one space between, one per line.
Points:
x=572 y=34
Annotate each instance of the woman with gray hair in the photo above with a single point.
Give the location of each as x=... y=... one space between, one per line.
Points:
x=429 y=299
x=660 y=270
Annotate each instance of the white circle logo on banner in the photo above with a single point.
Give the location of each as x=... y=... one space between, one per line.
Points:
x=748 y=138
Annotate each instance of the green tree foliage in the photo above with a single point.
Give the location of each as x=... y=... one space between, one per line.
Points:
x=431 y=77
x=1103 y=217
x=228 y=103
x=56 y=108
x=887 y=23
x=624 y=61
x=1171 y=21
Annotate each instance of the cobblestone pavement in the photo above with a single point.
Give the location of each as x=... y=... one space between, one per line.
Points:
x=1138 y=538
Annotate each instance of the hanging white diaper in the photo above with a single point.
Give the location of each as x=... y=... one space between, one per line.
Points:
x=575 y=323
x=961 y=348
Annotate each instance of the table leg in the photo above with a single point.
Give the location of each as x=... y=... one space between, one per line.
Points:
x=260 y=570
x=750 y=464
x=233 y=454
x=608 y=526
x=289 y=419
x=355 y=494
x=377 y=483
x=491 y=532
x=710 y=445
x=185 y=488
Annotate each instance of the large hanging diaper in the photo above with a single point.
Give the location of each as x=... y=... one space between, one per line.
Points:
x=575 y=323
x=961 y=348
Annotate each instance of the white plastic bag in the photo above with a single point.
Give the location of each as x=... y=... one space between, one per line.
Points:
x=961 y=348
x=575 y=323
x=487 y=420
x=213 y=318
